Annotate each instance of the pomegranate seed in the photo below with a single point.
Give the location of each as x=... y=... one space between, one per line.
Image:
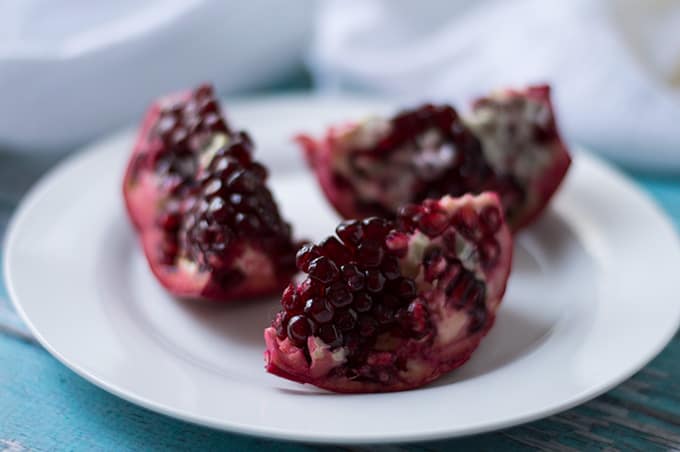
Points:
x=466 y=222
x=460 y=293
x=213 y=187
x=489 y=250
x=323 y=269
x=406 y=289
x=375 y=281
x=353 y=277
x=383 y=314
x=407 y=217
x=333 y=249
x=449 y=240
x=490 y=219
x=305 y=255
x=339 y=295
x=281 y=324
x=453 y=274
x=397 y=243
x=319 y=309
x=390 y=268
x=477 y=319
x=391 y=301
x=299 y=329
x=259 y=171
x=346 y=320
x=169 y=221
x=309 y=289
x=351 y=232
x=330 y=335
x=419 y=318
x=367 y=326
x=370 y=254
x=375 y=228
x=290 y=301
x=363 y=302
x=219 y=210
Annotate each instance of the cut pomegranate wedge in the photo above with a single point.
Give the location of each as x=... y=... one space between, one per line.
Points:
x=509 y=144
x=207 y=221
x=390 y=305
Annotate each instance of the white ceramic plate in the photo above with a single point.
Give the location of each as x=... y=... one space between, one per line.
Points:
x=592 y=298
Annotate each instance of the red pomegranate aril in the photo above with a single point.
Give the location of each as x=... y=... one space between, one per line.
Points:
x=346 y=320
x=490 y=220
x=453 y=274
x=309 y=289
x=362 y=302
x=408 y=217
x=281 y=321
x=299 y=329
x=305 y=255
x=350 y=232
x=353 y=277
x=489 y=250
x=466 y=222
x=406 y=289
x=323 y=269
x=435 y=264
x=290 y=300
x=367 y=326
x=370 y=254
x=390 y=268
x=375 y=228
x=433 y=223
x=391 y=301
x=479 y=317
x=449 y=240
x=383 y=314
x=330 y=335
x=375 y=281
x=319 y=309
x=397 y=243
x=339 y=295
x=169 y=221
x=332 y=248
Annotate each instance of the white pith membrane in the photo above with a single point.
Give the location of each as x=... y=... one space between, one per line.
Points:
x=451 y=341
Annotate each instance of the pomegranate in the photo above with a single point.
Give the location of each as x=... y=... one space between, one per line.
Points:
x=509 y=144
x=208 y=224
x=390 y=305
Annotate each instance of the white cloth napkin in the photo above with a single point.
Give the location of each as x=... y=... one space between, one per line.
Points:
x=614 y=65
x=72 y=70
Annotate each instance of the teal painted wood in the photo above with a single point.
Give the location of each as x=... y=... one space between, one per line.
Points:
x=44 y=406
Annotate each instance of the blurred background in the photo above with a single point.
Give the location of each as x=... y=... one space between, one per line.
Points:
x=74 y=70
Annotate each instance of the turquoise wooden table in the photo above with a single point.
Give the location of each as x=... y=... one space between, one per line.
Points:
x=44 y=406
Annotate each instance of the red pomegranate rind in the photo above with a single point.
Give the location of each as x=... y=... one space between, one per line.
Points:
x=508 y=144
x=208 y=224
x=391 y=305
x=524 y=119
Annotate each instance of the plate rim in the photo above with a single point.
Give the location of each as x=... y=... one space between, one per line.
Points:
x=92 y=150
